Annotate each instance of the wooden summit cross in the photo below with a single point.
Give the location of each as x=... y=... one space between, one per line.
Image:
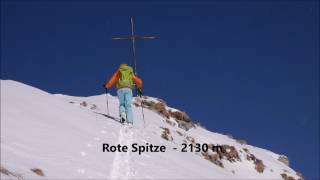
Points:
x=133 y=39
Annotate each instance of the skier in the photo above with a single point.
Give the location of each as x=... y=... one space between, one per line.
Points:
x=124 y=78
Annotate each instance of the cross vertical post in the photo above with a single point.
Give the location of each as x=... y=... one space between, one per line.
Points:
x=134 y=60
x=133 y=39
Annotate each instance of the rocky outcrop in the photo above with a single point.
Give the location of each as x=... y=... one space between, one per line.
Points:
x=214 y=158
x=284 y=159
x=286 y=177
x=259 y=166
x=166 y=134
x=228 y=153
x=37 y=171
x=182 y=118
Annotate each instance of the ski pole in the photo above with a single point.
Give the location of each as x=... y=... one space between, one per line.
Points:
x=144 y=122
x=107 y=102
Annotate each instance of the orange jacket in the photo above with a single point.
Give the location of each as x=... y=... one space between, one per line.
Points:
x=115 y=77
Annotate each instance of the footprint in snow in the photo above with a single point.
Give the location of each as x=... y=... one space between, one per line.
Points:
x=89 y=145
x=103 y=132
x=97 y=139
x=83 y=154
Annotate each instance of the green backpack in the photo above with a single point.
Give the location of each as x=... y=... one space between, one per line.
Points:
x=125 y=79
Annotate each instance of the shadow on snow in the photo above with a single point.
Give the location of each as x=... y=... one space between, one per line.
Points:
x=110 y=117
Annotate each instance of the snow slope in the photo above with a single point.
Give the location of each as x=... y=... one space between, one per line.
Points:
x=63 y=137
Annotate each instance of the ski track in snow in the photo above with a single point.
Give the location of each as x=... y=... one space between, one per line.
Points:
x=121 y=165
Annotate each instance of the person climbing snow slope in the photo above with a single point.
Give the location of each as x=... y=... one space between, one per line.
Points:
x=124 y=78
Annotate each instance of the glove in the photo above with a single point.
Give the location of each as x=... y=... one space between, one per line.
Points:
x=104 y=86
x=139 y=92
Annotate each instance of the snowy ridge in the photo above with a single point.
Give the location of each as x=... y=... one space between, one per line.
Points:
x=62 y=137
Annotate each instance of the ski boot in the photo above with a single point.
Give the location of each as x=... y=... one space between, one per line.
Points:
x=123 y=118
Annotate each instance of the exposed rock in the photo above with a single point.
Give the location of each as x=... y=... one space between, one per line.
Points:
x=286 y=177
x=191 y=139
x=166 y=134
x=37 y=171
x=9 y=173
x=284 y=159
x=4 y=171
x=230 y=153
x=194 y=125
x=216 y=148
x=184 y=125
x=182 y=116
x=147 y=104
x=161 y=109
x=214 y=158
x=183 y=120
x=161 y=100
x=259 y=166
x=83 y=103
x=241 y=141
x=245 y=150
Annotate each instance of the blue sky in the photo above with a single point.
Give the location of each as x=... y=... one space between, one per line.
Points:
x=246 y=68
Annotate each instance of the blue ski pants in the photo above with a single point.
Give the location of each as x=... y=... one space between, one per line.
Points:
x=125 y=98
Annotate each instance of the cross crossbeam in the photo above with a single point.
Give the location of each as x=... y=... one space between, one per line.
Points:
x=133 y=39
